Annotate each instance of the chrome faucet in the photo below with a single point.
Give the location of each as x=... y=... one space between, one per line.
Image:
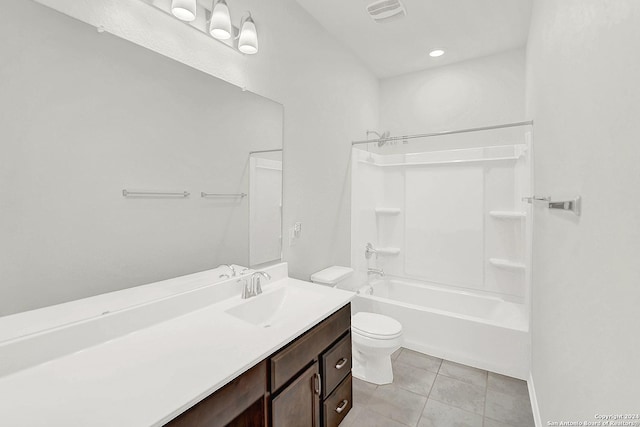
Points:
x=225 y=275
x=378 y=271
x=253 y=287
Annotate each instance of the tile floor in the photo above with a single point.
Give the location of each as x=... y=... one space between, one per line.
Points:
x=431 y=392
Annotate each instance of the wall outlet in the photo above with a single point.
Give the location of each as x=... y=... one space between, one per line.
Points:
x=294 y=233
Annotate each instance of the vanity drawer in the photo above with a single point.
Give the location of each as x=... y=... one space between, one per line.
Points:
x=297 y=355
x=336 y=364
x=338 y=404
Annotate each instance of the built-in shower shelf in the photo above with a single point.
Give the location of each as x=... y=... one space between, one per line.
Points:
x=506 y=264
x=387 y=211
x=508 y=214
x=388 y=251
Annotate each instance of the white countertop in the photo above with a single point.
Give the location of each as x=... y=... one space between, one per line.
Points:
x=34 y=321
x=148 y=376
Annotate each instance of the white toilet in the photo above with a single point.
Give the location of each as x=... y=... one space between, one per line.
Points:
x=374 y=337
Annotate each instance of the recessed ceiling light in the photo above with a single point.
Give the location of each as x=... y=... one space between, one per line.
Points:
x=435 y=53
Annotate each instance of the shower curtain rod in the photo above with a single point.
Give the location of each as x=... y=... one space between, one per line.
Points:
x=446 y=132
x=265 y=151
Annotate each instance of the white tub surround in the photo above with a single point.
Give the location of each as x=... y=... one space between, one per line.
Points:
x=179 y=350
x=481 y=331
x=453 y=207
x=453 y=217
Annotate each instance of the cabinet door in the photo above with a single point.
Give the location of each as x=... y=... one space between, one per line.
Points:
x=298 y=405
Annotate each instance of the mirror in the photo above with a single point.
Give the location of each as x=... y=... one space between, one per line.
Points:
x=85 y=116
x=265 y=201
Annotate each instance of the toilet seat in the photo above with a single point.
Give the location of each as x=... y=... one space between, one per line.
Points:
x=376 y=326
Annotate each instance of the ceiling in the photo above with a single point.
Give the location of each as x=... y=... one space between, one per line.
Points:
x=465 y=29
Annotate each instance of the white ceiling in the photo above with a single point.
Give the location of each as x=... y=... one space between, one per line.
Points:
x=465 y=29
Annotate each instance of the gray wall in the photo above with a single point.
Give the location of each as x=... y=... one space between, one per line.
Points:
x=330 y=99
x=584 y=96
x=477 y=92
x=84 y=115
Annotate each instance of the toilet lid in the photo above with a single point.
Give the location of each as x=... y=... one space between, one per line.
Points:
x=332 y=275
x=375 y=325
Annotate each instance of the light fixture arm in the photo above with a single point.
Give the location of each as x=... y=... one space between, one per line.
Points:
x=248 y=37
x=244 y=18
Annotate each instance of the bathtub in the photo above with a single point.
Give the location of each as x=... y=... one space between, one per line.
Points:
x=476 y=330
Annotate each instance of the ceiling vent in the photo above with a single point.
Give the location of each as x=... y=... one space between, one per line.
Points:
x=383 y=11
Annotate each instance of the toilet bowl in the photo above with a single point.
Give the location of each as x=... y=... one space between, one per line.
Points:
x=374 y=337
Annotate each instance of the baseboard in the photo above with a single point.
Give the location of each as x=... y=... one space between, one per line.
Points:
x=519 y=373
x=534 y=401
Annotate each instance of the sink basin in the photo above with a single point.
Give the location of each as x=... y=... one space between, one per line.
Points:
x=274 y=307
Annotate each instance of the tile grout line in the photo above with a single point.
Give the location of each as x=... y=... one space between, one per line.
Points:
x=439 y=373
x=415 y=367
x=418 y=367
x=484 y=406
x=412 y=392
x=462 y=381
x=429 y=394
x=384 y=416
x=455 y=407
x=457 y=379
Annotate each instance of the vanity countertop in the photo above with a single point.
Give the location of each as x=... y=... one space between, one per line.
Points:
x=148 y=376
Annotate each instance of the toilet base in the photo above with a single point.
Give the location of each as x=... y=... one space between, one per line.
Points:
x=372 y=369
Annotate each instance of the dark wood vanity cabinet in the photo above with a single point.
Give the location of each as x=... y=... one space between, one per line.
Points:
x=306 y=383
x=336 y=364
x=298 y=404
x=241 y=403
x=336 y=406
x=318 y=362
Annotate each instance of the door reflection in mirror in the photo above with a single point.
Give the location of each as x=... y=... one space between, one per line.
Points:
x=265 y=207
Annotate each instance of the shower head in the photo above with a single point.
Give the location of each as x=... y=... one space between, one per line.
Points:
x=382 y=138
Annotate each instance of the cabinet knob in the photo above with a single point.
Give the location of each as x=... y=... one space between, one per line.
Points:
x=341 y=363
x=342 y=405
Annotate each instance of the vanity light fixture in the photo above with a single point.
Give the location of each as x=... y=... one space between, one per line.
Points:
x=248 y=40
x=214 y=19
x=184 y=10
x=436 y=53
x=220 y=24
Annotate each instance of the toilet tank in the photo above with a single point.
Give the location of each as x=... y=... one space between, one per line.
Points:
x=332 y=276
